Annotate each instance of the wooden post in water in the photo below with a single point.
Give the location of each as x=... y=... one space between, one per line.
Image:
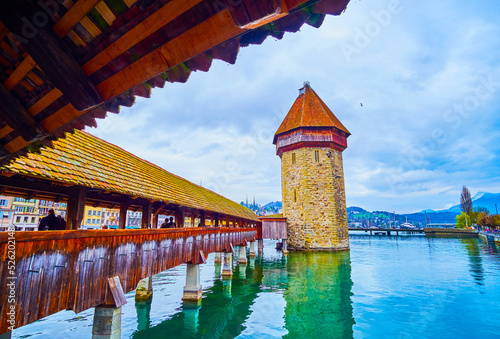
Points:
x=242 y=259
x=76 y=207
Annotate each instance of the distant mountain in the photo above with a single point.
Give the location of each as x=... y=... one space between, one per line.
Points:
x=482 y=199
x=275 y=204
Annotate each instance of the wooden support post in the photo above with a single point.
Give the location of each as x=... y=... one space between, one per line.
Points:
x=76 y=207
x=44 y=46
x=122 y=221
x=202 y=218
x=146 y=214
x=217 y=220
x=155 y=220
x=192 y=220
x=180 y=215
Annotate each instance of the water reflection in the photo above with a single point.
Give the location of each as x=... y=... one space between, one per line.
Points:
x=143 y=310
x=318 y=295
x=475 y=261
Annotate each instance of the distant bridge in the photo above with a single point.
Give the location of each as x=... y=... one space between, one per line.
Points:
x=388 y=231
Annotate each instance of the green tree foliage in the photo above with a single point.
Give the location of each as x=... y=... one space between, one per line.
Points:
x=489 y=220
x=463 y=220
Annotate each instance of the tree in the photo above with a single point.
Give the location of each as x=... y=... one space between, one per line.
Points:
x=466 y=201
x=463 y=220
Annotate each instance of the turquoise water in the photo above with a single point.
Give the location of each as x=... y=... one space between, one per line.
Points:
x=385 y=287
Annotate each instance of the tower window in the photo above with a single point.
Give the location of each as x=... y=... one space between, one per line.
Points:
x=316 y=156
x=294 y=195
x=293 y=158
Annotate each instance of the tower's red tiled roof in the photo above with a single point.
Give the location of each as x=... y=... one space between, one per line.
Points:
x=309 y=110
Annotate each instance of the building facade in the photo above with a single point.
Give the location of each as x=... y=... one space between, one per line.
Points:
x=310 y=142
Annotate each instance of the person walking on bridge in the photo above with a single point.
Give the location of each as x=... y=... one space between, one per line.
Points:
x=49 y=222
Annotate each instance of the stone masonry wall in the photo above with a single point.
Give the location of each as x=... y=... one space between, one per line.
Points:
x=314 y=199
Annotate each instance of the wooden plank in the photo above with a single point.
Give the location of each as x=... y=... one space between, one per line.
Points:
x=105 y=12
x=44 y=102
x=141 y=31
x=20 y=72
x=5 y=131
x=202 y=37
x=61 y=117
x=75 y=14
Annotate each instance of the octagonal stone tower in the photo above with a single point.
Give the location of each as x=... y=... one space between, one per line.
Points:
x=310 y=142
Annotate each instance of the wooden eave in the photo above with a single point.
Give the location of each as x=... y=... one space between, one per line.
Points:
x=91 y=57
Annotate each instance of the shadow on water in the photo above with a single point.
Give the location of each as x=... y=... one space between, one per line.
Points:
x=315 y=286
x=318 y=295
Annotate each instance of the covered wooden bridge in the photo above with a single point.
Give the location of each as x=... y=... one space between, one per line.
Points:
x=79 y=269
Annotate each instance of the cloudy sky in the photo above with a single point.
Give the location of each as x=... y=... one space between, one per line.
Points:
x=427 y=73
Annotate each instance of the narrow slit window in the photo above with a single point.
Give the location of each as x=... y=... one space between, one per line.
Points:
x=316 y=156
x=294 y=195
x=293 y=158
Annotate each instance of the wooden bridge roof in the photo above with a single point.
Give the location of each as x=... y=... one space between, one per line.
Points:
x=64 y=63
x=85 y=160
x=309 y=110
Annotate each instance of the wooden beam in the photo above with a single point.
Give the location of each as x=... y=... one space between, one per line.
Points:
x=16 y=116
x=124 y=205
x=76 y=207
x=180 y=215
x=141 y=31
x=146 y=214
x=19 y=73
x=202 y=218
x=33 y=185
x=216 y=219
x=74 y=15
x=155 y=220
x=30 y=195
x=210 y=33
x=46 y=50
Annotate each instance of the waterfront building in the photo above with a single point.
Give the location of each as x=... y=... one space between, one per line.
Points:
x=310 y=141
x=93 y=217
x=111 y=217
x=26 y=214
x=45 y=205
x=6 y=212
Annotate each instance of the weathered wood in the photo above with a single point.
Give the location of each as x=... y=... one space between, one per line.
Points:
x=73 y=16
x=117 y=291
x=274 y=229
x=124 y=206
x=16 y=116
x=46 y=49
x=76 y=207
x=146 y=214
x=180 y=215
x=141 y=31
x=214 y=31
x=249 y=14
x=19 y=73
x=58 y=270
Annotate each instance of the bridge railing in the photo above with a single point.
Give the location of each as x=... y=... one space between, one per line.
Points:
x=59 y=270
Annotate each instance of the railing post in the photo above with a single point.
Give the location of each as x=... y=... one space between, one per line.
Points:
x=146 y=214
x=122 y=219
x=76 y=207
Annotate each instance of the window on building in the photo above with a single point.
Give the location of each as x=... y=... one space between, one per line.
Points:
x=293 y=158
x=33 y=219
x=94 y=213
x=88 y=221
x=89 y=213
x=25 y=220
x=316 y=156
x=3 y=202
x=99 y=213
x=18 y=219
